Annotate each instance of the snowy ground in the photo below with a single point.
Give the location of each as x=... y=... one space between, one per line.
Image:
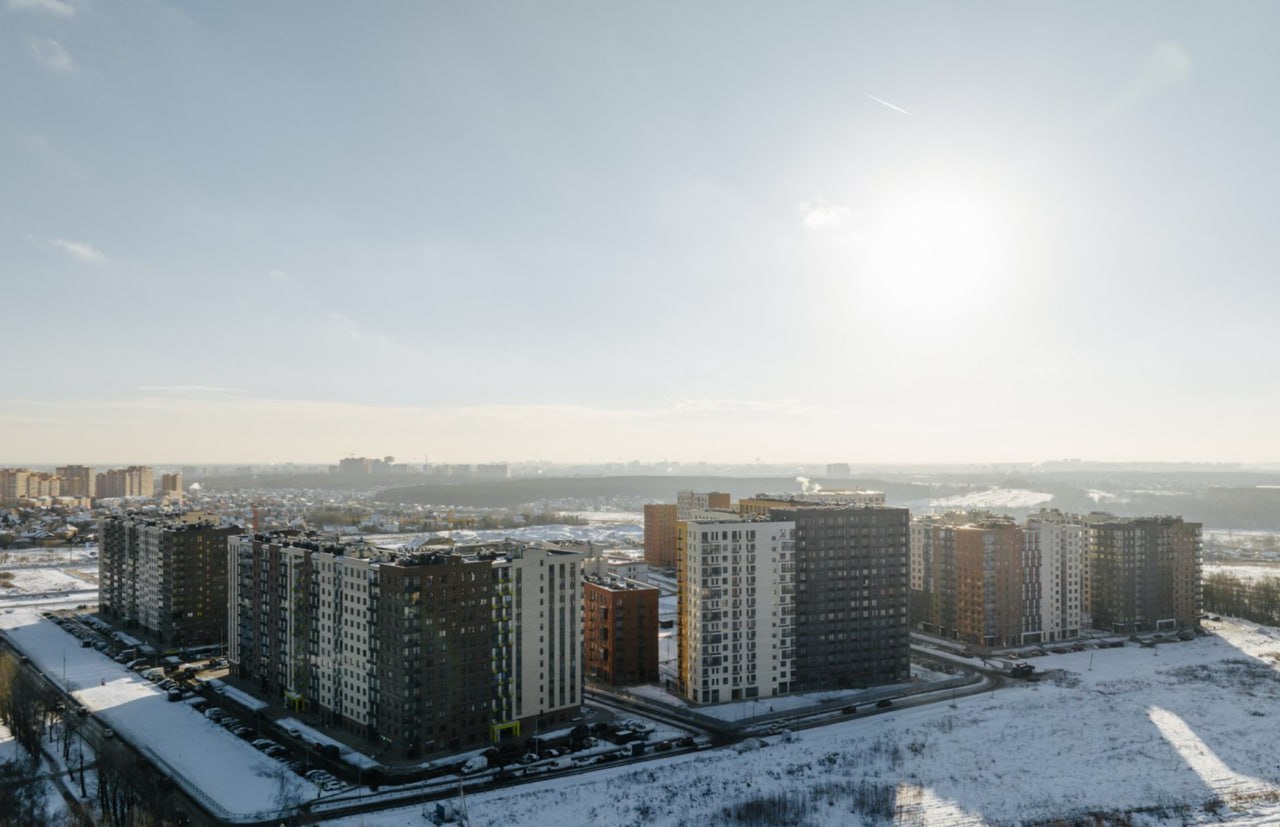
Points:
x=224 y=771
x=993 y=498
x=1181 y=734
x=55 y=806
x=1250 y=573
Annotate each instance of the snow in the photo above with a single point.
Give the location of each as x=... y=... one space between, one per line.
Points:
x=1249 y=573
x=605 y=535
x=242 y=698
x=219 y=769
x=1182 y=734
x=315 y=736
x=32 y=581
x=993 y=498
x=55 y=806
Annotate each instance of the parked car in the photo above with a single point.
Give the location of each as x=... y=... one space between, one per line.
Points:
x=884 y=703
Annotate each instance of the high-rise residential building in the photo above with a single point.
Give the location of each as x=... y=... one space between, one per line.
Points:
x=24 y=484
x=1054 y=576
x=13 y=484
x=852 y=627
x=77 y=481
x=735 y=599
x=837 y=470
x=426 y=650
x=133 y=482
x=167 y=576
x=171 y=486
x=619 y=630
x=660 y=535
x=971 y=580
x=690 y=503
x=1144 y=573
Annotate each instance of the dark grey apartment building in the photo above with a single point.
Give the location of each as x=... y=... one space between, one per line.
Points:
x=851 y=593
x=1144 y=573
x=167 y=576
x=425 y=650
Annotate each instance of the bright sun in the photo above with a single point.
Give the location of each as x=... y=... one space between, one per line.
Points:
x=940 y=247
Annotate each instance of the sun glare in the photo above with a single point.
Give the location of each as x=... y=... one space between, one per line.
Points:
x=940 y=248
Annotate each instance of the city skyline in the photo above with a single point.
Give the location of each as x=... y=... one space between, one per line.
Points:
x=924 y=233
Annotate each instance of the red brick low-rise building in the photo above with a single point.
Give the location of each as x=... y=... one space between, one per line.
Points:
x=620 y=630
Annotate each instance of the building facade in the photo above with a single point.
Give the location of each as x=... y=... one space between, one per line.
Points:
x=428 y=650
x=619 y=630
x=77 y=481
x=851 y=595
x=1144 y=573
x=660 y=535
x=136 y=481
x=736 y=603
x=167 y=576
x=1054 y=570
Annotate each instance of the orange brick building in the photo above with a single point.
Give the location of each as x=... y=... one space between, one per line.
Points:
x=619 y=630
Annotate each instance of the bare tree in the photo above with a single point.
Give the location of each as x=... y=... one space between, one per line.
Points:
x=22 y=802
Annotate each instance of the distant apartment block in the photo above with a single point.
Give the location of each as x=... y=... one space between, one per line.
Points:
x=838 y=470
x=987 y=581
x=136 y=481
x=167 y=576
x=736 y=603
x=77 y=481
x=17 y=484
x=171 y=486
x=427 y=650
x=620 y=630
x=689 y=503
x=660 y=535
x=1144 y=573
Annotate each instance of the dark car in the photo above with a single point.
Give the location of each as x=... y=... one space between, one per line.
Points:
x=884 y=703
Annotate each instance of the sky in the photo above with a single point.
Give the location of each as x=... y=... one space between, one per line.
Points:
x=845 y=232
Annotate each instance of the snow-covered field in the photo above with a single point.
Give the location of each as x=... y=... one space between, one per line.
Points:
x=1249 y=573
x=44 y=581
x=993 y=498
x=1177 y=735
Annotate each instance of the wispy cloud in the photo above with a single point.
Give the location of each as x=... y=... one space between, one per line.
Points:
x=50 y=54
x=884 y=102
x=189 y=390
x=78 y=249
x=819 y=215
x=276 y=274
x=54 y=8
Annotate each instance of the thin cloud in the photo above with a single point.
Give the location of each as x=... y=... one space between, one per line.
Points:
x=78 y=249
x=50 y=54
x=884 y=102
x=276 y=274
x=189 y=390
x=819 y=215
x=54 y=8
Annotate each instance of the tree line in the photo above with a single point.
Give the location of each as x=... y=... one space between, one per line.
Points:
x=1255 y=600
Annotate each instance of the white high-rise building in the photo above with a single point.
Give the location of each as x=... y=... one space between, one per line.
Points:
x=736 y=599
x=1056 y=597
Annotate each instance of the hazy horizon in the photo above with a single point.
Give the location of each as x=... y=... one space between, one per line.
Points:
x=887 y=234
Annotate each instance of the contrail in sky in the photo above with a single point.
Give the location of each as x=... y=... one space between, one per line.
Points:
x=886 y=103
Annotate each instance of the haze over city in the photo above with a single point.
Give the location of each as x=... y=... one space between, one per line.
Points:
x=935 y=232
